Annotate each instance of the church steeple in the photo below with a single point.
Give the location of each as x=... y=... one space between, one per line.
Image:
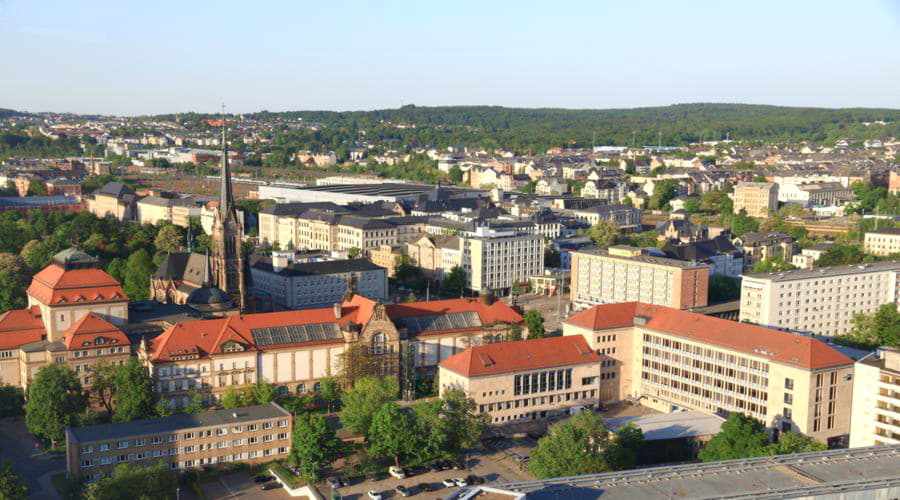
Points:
x=226 y=199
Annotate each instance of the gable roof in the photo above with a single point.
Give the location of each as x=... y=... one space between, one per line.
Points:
x=54 y=285
x=522 y=355
x=774 y=345
x=116 y=189
x=21 y=326
x=497 y=312
x=184 y=266
x=85 y=332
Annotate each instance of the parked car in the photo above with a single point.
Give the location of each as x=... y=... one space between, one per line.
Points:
x=270 y=486
x=445 y=465
x=397 y=472
x=374 y=495
x=459 y=482
x=403 y=491
x=343 y=480
x=459 y=464
x=435 y=466
x=426 y=487
x=473 y=479
x=449 y=483
x=262 y=478
x=333 y=482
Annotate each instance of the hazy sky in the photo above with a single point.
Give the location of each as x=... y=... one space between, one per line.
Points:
x=137 y=57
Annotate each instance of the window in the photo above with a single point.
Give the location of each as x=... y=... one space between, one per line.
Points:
x=788 y=399
x=282 y=423
x=267 y=425
x=787 y=413
x=156 y=440
x=282 y=435
x=188 y=435
x=122 y=445
x=104 y=447
x=87 y=463
x=139 y=442
x=282 y=391
x=221 y=432
x=252 y=427
x=87 y=449
x=301 y=388
x=789 y=384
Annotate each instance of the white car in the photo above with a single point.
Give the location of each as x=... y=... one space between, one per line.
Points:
x=396 y=472
x=374 y=495
x=460 y=482
x=448 y=483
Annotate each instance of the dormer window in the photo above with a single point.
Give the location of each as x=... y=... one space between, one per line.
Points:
x=85 y=344
x=99 y=341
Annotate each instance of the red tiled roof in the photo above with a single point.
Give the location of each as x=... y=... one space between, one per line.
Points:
x=55 y=286
x=522 y=355
x=775 y=345
x=489 y=314
x=21 y=326
x=84 y=333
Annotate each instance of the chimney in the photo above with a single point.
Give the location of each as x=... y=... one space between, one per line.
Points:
x=337 y=311
x=486 y=297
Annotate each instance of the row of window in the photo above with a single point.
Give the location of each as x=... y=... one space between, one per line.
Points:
x=187 y=436
x=537 y=401
x=183 y=464
x=551 y=380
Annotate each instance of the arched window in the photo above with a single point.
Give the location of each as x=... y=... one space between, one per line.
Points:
x=282 y=391
x=379 y=343
x=317 y=387
x=301 y=388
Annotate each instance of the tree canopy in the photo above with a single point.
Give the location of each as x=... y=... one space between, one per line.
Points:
x=314 y=445
x=535 y=324
x=134 y=394
x=741 y=436
x=55 y=399
x=361 y=401
x=604 y=233
x=135 y=482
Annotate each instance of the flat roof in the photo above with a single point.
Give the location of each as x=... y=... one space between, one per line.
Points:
x=660 y=426
x=178 y=422
x=832 y=472
x=826 y=272
x=647 y=259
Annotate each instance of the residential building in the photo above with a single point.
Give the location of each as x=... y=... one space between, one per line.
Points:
x=280 y=282
x=613 y=192
x=622 y=274
x=876 y=399
x=497 y=260
x=114 y=200
x=250 y=434
x=674 y=360
x=808 y=257
x=758 y=246
x=719 y=253
x=882 y=242
x=386 y=257
x=525 y=380
x=627 y=218
x=63 y=187
x=435 y=255
x=756 y=199
x=822 y=300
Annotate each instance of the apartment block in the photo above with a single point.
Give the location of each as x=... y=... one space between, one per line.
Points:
x=252 y=434
x=822 y=300
x=525 y=380
x=882 y=242
x=674 y=360
x=756 y=199
x=497 y=260
x=623 y=274
x=876 y=399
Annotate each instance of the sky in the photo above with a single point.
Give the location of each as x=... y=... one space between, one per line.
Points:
x=135 y=57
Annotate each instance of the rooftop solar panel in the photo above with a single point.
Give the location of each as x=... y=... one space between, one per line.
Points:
x=296 y=333
x=439 y=322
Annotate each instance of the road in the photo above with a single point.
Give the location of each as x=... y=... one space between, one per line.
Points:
x=29 y=460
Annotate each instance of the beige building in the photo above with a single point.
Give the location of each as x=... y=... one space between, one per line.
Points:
x=756 y=199
x=822 y=300
x=114 y=200
x=526 y=379
x=876 y=399
x=758 y=246
x=251 y=434
x=497 y=260
x=622 y=274
x=674 y=360
x=883 y=242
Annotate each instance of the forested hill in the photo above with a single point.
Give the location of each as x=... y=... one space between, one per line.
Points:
x=679 y=124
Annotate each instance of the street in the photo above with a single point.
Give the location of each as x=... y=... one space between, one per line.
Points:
x=29 y=460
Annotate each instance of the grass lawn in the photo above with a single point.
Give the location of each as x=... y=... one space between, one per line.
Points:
x=286 y=475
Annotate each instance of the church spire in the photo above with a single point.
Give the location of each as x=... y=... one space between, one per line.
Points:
x=206 y=271
x=226 y=199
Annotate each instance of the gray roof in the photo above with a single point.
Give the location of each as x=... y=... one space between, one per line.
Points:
x=661 y=261
x=184 y=266
x=315 y=268
x=116 y=189
x=761 y=237
x=104 y=432
x=671 y=425
x=827 y=272
x=887 y=230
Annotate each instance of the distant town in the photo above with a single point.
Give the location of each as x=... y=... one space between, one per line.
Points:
x=470 y=302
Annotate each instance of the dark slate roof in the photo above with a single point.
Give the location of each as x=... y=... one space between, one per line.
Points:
x=364 y=222
x=185 y=266
x=208 y=295
x=315 y=268
x=301 y=208
x=760 y=237
x=184 y=421
x=116 y=189
x=699 y=250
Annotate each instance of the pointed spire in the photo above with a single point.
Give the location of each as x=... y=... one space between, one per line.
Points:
x=206 y=271
x=226 y=200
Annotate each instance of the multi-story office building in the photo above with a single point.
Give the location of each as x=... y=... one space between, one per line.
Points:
x=822 y=300
x=671 y=360
x=876 y=399
x=882 y=242
x=497 y=260
x=622 y=274
x=252 y=434
x=280 y=283
x=526 y=380
x=756 y=199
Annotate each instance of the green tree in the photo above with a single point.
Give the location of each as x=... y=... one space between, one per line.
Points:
x=168 y=239
x=455 y=174
x=55 y=399
x=103 y=384
x=134 y=394
x=742 y=224
x=116 y=268
x=881 y=328
x=714 y=202
x=354 y=253
x=431 y=430
x=12 y=400
x=463 y=424
x=137 y=275
x=262 y=393
x=331 y=392
x=361 y=402
x=771 y=265
x=392 y=433
x=838 y=254
x=663 y=193
x=723 y=289
x=231 y=398
x=12 y=487
x=622 y=452
x=535 y=324
x=314 y=445
x=692 y=205
x=37 y=188
x=197 y=403
x=515 y=332
x=741 y=436
x=455 y=282
x=135 y=482
x=604 y=233
x=36 y=255
x=794 y=442
x=573 y=447
x=12 y=292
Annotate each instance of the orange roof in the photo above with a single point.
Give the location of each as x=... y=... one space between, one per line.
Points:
x=775 y=345
x=523 y=355
x=54 y=285
x=21 y=326
x=489 y=314
x=85 y=332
